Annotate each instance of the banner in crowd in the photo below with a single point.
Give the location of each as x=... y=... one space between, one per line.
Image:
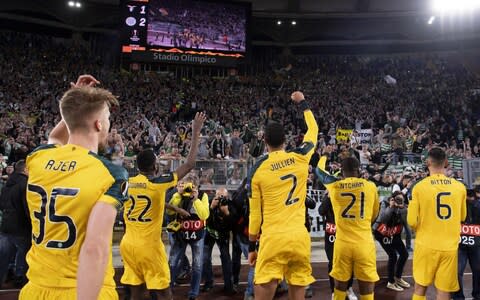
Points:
x=343 y=135
x=365 y=136
x=316 y=220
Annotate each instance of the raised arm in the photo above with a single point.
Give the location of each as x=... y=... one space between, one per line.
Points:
x=322 y=175
x=311 y=136
x=189 y=164
x=59 y=134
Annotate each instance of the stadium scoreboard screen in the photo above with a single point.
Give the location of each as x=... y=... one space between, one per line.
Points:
x=185 y=31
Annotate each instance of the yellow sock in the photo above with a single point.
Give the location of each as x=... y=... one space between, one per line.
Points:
x=417 y=297
x=366 y=297
x=339 y=295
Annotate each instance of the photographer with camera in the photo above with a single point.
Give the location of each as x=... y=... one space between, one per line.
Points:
x=469 y=248
x=219 y=225
x=387 y=231
x=189 y=230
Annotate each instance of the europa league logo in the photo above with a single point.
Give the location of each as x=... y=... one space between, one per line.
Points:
x=135 y=37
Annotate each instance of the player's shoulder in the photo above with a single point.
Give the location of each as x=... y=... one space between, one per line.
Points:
x=42 y=149
x=117 y=172
x=137 y=178
x=459 y=184
x=164 y=178
x=369 y=183
x=303 y=149
x=258 y=163
x=420 y=183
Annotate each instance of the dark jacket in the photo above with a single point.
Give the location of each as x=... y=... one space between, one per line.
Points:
x=468 y=239
x=240 y=201
x=219 y=225
x=218 y=147
x=13 y=203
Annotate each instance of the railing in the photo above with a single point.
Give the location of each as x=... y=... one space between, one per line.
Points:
x=212 y=173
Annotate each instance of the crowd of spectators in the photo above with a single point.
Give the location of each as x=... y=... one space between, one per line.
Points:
x=191 y=24
x=432 y=103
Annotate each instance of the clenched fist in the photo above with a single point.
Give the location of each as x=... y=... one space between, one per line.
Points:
x=297 y=97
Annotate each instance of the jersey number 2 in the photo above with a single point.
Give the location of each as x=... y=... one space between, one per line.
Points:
x=52 y=216
x=345 y=213
x=144 y=211
x=289 y=200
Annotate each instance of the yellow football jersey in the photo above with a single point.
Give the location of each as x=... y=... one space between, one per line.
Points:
x=277 y=186
x=355 y=206
x=64 y=184
x=143 y=212
x=436 y=210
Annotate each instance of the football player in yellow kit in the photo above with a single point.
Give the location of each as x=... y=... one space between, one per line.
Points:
x=435 y=212
x=73 y=196
x=277 y=191
x=355 y=206
x=142 y=249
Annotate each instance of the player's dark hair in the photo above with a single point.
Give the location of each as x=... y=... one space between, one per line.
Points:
x=146 y=161
x=437 y=157
x=350 y=166
x=274 y=135
x=19 y=166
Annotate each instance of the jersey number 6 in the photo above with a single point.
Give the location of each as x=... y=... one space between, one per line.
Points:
x=440 y=205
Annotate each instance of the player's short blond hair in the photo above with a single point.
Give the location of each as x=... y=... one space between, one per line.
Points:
x=77 y=104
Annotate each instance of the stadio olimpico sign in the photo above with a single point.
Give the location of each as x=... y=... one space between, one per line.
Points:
x=183 y=58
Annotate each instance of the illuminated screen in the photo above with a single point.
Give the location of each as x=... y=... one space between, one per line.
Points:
x=185 y=25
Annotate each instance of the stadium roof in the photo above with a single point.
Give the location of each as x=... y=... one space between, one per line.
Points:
x=323 y=6
x=317 y=22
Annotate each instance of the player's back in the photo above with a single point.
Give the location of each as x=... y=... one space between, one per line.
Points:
x=437 y=206
x=355 y=205
x=143 y=212
x=64 y=184
x=281 y=178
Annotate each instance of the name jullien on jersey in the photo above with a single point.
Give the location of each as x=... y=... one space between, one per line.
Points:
x=62 y=166
x=282 y=164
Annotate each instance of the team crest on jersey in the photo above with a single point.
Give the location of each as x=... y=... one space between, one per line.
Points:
x=124 y=188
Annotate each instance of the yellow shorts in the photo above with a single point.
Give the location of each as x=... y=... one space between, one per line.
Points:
x=361 y=260
x=145 y=264
x=284 y=256
x=32 y=291
x=439 y=267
